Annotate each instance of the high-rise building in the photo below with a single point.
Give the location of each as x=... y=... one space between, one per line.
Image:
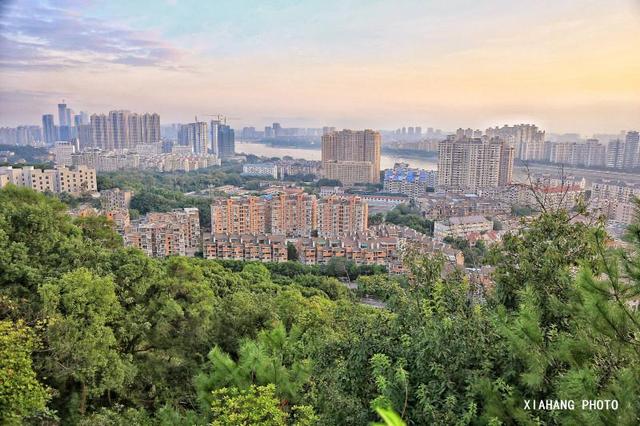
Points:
x=472 y=163
x=352 y=156
x=84 y=117
x=631 y=153
x=135 y=131
x=65 y=124
x=64 y=115
x=119 y=122
x=213 y=137
x=48 y=129
x=196 y=136
x=119 y=130
x=348 y=172
x=150 y=128
x=615 y=154
x=225 y=141
x=505 y=172
x=596 y=154
x=527 y=140
x=101 y=134
x=77 y=120
x=277 y=129
x=85 y=138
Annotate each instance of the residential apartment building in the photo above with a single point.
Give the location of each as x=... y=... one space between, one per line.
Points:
x=21 y=135
x=596 y=154
x=351 y=156
x=75 y=181
x=631 y=150
x=551 y=195
x=196 y=136
x=48 y=129
x=239 y=215
x=342 y=216
x=166 y=234
x=348 y=172
x=412 y=182
x=384 y=245
x=615 y=200
x=120 y=130
x=439 y=206
x=615 y=154
x=115 y=199
x=260 y=169
x=260 y=248
x=293 y=215
x=112 y=161
x=526 y=139
x=299 y=167
x=289 y=213
x=120 y=219
x=470 y=164
x=461 y=226
x=63 y=152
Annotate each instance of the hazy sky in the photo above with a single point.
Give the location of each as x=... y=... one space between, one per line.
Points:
x=567 y=65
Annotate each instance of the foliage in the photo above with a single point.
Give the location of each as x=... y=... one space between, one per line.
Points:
x=28 y=154
x=269 y=359
x=84 y=356
x=474 y=256
x=164 y=200
x=102 y=334
x=411 y=217
x=376 y=219
x=100 y=230
x=292 y=252
x=522 y=211
x=21 y=395
x=256 y=405
x=390 y=418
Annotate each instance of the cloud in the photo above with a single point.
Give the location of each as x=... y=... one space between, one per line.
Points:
x=42 y=37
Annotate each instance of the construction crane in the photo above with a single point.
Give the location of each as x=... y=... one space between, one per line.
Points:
x=222 y=118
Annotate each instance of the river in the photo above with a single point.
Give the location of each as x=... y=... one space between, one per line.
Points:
x=386 y=161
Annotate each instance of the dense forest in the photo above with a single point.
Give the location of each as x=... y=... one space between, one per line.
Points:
x=92 y=333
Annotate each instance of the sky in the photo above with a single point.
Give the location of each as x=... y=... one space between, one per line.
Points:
x=566 y=65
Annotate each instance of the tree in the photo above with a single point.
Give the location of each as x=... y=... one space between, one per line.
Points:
x=84 y=357
x=100 y=230
x=252 y=406
x=411 y=217
x=328 y=182
x=21 y=395
x=376 y=219
x=292 y=252
x=582 y=348
x=269 y=359
x=544 y=256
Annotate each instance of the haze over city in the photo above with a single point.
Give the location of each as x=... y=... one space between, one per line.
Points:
x=568 y=65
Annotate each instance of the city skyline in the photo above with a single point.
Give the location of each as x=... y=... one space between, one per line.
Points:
x=350 y=64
